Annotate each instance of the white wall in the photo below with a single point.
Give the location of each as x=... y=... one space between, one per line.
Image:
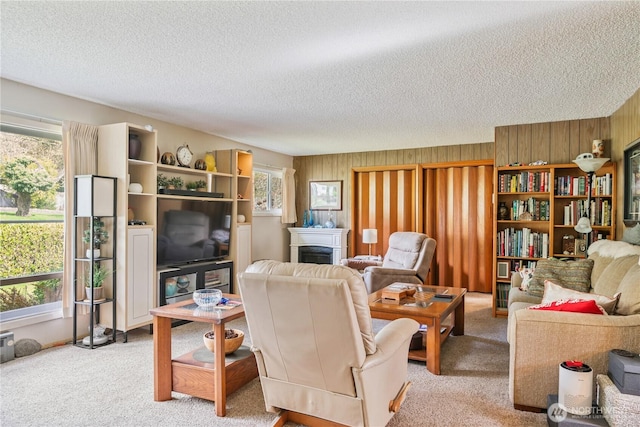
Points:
x=270 y=239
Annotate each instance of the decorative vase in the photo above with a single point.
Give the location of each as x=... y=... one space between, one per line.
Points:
x=97 y=293
x=135 y=187
x=503 y=212
x=598 y=148
x=310 y=220
x=305 y=220
x=96 y=253
x=183 y=284
x=330 y=223
x=210 y=161
x=135 y=146
x=170 y=287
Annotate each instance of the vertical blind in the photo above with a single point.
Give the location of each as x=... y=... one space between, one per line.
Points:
x=457 y=212
x=385 y=200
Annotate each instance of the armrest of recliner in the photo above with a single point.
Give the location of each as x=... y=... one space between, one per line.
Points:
x=384 y=373
x=376 y=278
x=359 y=264
x=390 y=338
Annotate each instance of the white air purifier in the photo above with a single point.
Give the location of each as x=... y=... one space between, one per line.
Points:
x=575 y=387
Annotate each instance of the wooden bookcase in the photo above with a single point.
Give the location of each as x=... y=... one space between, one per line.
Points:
x=543 y=204
x=135 y=248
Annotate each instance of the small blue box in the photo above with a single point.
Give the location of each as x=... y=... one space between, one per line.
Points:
x=624 y=371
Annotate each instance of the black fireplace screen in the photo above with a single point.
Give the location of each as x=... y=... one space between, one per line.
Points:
x=315 y=254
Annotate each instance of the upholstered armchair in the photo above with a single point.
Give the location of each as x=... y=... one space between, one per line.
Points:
x=317 y=356
x=407 y=260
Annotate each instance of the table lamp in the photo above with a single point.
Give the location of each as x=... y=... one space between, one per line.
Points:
x=369 y=236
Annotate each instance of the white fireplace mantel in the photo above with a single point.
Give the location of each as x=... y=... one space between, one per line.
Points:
x=335 y=238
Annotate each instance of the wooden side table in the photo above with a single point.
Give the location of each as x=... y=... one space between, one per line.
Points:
x=199 y=373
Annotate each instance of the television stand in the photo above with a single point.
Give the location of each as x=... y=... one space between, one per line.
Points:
x=178 y=282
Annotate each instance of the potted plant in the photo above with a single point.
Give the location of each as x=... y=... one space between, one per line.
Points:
x=175 y=183
x=100 y=236
x=201 y=185
x=163 y=181
x=192 y=186
x=93 y=284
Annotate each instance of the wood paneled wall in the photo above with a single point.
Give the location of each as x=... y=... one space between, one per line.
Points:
x=625 y=129
x=553 y=142
x=457 y=209
x=339 y=166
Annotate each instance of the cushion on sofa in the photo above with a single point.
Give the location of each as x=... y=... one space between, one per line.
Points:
x=553 y=292
x=574 y=275
x=608 y=282
x=574 y=306
x=632 y=235
x=600 y=263
x=629 y=292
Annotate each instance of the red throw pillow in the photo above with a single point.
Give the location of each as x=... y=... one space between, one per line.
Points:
x=574 y=305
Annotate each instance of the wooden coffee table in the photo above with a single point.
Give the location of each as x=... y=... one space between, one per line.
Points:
x=199 y=373
x=438 y=314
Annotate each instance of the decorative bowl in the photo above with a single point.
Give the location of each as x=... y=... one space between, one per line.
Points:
x=207 y=298
x=230 y=344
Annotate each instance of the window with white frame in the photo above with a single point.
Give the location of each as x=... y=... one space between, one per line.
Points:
x=31 y=217
x=267 y=191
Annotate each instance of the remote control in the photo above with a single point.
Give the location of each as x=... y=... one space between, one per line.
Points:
x=445 y=296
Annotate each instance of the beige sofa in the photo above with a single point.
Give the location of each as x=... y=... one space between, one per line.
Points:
x=541 y=340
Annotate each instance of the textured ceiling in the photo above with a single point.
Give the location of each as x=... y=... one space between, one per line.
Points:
x=327 y=77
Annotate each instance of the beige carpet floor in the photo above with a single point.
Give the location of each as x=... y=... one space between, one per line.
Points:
x=113 y=385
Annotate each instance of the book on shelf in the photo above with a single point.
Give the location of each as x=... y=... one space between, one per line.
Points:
x=523 y=182
x=523 y=243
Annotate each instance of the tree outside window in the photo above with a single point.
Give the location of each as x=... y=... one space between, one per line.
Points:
x=31 y=222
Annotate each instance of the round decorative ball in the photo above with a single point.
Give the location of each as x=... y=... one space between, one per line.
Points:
x=168 y=159
x=183 y=283
x=135 y=187
x=200 y=164
x=241 y=218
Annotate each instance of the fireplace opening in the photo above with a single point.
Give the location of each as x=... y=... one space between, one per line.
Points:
x=315 y=254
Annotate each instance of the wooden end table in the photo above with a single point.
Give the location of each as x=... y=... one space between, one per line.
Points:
x=432 y=312
x=194 y=373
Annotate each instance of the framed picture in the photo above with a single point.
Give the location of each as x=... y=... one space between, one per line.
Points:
x=503 y=270
x=325 y=195
x=581 y=247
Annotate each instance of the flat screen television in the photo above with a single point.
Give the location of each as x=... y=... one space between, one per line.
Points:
x=192 y=231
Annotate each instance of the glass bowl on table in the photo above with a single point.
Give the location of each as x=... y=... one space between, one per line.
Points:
x=207 y=299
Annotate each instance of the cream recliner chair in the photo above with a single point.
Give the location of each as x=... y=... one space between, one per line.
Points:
x=407 y=260
x=317 y=356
